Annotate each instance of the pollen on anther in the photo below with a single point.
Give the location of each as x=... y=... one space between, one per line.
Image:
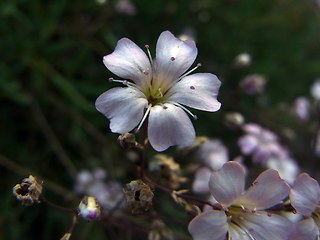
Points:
x=256 y=183
x=125 y=82
x=192 y=88
x=110 y=79
x=145 y=73
x=199 y=65
x=146 y=46
x=165 y=107
x=269 y=214
x=172 y=58
x=195 y=117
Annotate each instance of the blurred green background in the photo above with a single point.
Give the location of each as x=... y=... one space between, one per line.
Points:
x=51 y=72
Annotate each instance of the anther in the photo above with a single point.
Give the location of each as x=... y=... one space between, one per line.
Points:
x=192 y=88
x=195 y=117
x=172 y=58
x=199 y=65
x=111 y=79
x=269 y=214
x=146 y=73
x=165 y=107
x=146 y=46
x=256 y=183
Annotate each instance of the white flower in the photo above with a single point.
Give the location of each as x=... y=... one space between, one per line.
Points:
x=242 y=215
x=159 y=89
x=305 y=197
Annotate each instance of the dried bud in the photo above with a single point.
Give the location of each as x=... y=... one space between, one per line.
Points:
x=89 y=208
x=253 y=84
x=128 y=141
x=167 y=169
x=138 y=195
x=177 y=198
x=29 y=191
x=234 y=120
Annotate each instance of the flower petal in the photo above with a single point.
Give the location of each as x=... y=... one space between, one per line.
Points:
x=248 y=144
x=305 y=229
x=129 y=62
x=227 y=183
x=305 y=194
x=173 y=58
x=235 y=232
x=210 y=225
x=201 y=180
x=198 y=91
x=124 y=107
x=263 y=226
x=267 y=190
x=169 y=125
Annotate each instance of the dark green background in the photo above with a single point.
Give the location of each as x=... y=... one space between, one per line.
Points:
x=51 y=72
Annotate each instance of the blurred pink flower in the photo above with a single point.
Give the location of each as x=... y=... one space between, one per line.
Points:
x=261 y=143
x=305 y=198
x=242 y=215
x=158 y=90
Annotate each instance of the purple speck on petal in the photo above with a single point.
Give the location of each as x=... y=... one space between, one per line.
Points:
x=192 y=88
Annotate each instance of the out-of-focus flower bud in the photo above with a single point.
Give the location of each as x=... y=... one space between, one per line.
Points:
x=168 y=171
x=154 y=235
x=301 y=109
x=234 y=120
x=125 y=7
x=253 y=84
x=29 y=191
x=138 y=195
x=128 y=141
x=242 y=60
x=89 y=208
x=315 y=89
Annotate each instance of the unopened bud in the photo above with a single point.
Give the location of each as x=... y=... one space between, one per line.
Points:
x=242 y=60
x=234 y=120
x=138 y=195
x=89 y=208
x=253 y=84
x=29 y=191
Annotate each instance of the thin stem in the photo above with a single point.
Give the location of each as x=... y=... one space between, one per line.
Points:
x=51 y=204
x=184 y=196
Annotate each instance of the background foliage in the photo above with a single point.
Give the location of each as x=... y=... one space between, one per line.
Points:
x=51 y=72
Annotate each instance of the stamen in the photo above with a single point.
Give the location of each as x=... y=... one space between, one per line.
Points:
x=124 y=82
x=185 y=109
x=187 y=73
x=143 y=119
x=149 y=54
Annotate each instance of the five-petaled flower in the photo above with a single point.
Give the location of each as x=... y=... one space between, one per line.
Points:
x=243 y=214
x=159 y=90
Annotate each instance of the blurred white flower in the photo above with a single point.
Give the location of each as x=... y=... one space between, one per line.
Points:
x=315 y=89
x=253 y=84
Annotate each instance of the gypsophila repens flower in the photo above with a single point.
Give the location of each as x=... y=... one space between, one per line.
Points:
x=29 y=191
x=243 y=214
x=159 y=89
x=305 y=198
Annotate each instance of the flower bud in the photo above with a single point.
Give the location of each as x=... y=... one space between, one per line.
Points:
x=29 y=191
x=242 y=60
x=89 y=208
x=234 y=120
x=253 y=84
x=128 y=141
